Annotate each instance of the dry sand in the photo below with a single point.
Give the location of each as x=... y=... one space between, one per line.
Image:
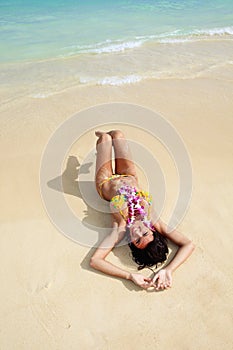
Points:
x=50 y=297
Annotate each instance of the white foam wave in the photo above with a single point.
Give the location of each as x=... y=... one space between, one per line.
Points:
x=111 y=80
x=215 y=31
x=107 y=46
x=155 y=37
x=121 y=47
x=193 y=35
x=41 y=95
x=176 y=36
x=110 y=46
x=174 y=41
x=117 y=81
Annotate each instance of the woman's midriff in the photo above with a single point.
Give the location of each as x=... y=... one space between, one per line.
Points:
x=109 y=189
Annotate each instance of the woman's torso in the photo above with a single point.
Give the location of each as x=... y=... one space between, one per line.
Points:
x=110 y=191
x=110 y=188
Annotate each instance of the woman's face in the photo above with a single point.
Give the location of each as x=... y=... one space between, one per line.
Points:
x=140 y=234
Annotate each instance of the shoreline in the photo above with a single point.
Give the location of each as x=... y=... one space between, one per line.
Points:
x=160 y=62
x=114 y=46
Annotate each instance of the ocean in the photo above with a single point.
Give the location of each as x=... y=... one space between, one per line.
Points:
x=112 y=42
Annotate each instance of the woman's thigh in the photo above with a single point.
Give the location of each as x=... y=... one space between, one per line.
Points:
x=124 y=163
x=103 y=158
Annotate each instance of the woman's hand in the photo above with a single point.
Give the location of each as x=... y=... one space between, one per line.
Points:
x=141 y=280
x=162 y=279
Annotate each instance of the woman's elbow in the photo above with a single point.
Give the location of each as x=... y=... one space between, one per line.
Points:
x=93 y=262
x=191 y=246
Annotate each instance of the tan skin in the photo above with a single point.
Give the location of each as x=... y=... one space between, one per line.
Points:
x=140 y=235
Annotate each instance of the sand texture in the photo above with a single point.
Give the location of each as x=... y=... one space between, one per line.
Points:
x=50 y=297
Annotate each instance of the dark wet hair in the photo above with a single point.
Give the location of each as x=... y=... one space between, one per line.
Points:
x=154 y=253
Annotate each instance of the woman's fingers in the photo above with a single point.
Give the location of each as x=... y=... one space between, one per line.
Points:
x=147 y=285
x=163 y=285
x=155 y=277
x=147 y=279
x=147 y=282
x=160 y=281
x=159 y=286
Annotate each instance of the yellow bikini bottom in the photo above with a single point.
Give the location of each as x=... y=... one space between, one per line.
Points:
x=114 y=176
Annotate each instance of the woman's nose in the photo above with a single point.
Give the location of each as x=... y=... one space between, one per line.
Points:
x=138 y=233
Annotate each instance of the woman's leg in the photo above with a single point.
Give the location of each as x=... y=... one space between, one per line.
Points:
x=103 y=158
x=123 y=158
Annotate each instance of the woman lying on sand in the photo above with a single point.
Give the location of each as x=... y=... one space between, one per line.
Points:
x=133 y=216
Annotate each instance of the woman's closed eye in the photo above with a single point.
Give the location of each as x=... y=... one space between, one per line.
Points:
x=139 y=239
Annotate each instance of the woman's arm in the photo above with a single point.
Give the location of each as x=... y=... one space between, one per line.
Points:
x=98 y=261
x=186 y=247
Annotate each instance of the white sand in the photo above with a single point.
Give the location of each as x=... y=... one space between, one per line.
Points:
x=50 y=297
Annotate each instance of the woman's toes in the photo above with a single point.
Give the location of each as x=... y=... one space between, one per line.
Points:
x=99 y=133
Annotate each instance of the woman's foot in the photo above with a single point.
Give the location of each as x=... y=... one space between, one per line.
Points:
x=103 y=137
x=99 y=133
x=112 y=133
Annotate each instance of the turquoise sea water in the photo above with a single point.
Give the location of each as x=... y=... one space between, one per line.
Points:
x=49 y=46
x=38 y=30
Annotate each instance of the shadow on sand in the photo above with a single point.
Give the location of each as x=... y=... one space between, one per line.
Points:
x=68 y=182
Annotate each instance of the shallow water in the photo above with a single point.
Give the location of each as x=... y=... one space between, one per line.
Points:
x=49 y=46
x=33 y=30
